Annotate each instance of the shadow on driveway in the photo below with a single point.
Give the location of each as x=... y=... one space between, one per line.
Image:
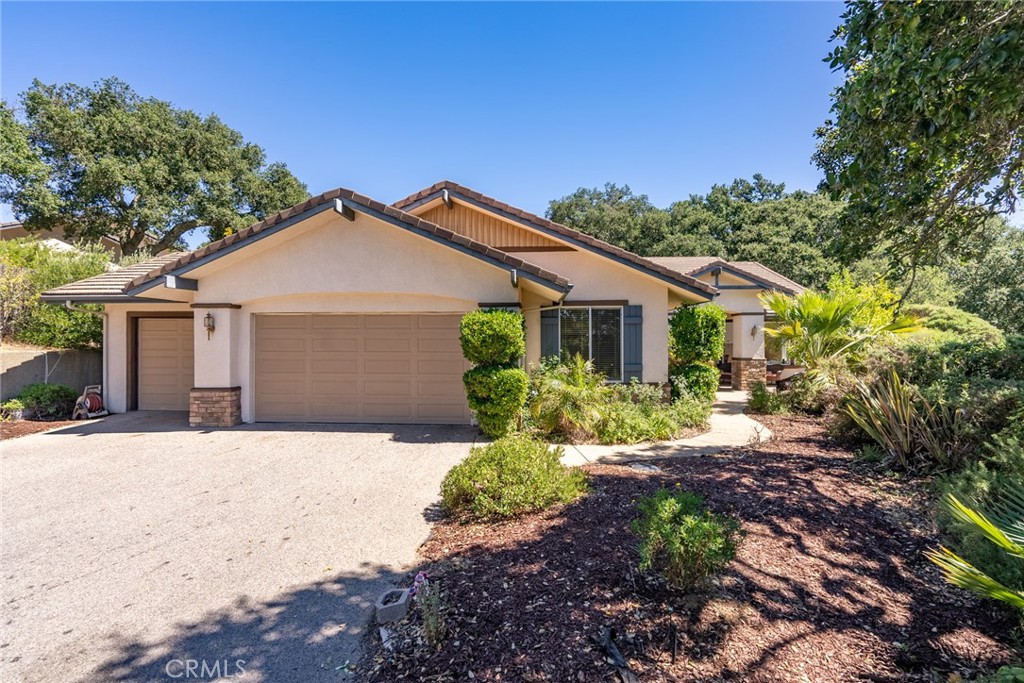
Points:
x=159 y=421
x=306 y=635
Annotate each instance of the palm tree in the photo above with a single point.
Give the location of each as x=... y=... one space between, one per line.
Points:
x=823 y=330
x=1004 y=526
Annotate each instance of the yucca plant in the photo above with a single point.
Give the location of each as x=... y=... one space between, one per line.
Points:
x=568 y=398
x=916 y=436
x=820 y=329
x=1004 y=526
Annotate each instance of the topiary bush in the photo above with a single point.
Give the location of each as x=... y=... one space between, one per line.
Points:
x=496 y=388
x=492 y=337
x=697 y=334
x=496 y=394
x=510 y=477
x=696 y=379
x=54 y=401
x=682 y=540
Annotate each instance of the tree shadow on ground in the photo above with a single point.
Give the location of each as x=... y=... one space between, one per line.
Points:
x=305 y=635
x=829 y=584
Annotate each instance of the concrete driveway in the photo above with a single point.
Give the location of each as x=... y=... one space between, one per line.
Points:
x=133 y=545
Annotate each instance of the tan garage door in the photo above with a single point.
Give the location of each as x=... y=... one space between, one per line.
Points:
x=165 y=363
x=360 y=368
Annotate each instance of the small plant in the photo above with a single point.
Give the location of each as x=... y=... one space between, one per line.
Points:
x=48 y=400
x=696 y=379
x=510 y=477
x=765 y=402
x=569 y=398
x=430 y=604
x=683 y=540
x=9 y=409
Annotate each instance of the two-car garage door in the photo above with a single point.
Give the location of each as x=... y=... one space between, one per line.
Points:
x=359 y=368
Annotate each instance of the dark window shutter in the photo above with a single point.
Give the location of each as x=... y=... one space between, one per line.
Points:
x=549 y=333
x=632 y=343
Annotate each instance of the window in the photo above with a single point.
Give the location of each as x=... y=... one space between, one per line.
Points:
x=594 y=333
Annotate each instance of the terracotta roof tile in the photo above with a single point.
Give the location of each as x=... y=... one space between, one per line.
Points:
x=112 y=283
x=429 y=193
x=693 y=264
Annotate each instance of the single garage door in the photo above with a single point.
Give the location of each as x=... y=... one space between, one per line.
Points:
x=360 y=368
x=166 y=363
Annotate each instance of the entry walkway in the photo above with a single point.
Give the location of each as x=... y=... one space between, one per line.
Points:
x=730 y=428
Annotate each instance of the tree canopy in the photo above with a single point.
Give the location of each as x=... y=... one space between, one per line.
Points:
x=926 y=138
x=104 y=161
x=748 y=220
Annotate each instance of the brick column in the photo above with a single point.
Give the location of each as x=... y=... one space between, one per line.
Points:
x=746 y=371
x=215 y=407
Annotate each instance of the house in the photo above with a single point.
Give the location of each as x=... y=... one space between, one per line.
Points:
x=57 y=240
x=346 y=309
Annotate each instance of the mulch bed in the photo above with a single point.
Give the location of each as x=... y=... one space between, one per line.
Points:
x=12 y=429
x=829 y=583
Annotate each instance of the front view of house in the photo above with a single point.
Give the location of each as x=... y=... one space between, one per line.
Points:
x=345 y=309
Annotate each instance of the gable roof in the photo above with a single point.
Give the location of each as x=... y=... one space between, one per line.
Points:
x=564 y=232
x=751 y=270
x=133 y=281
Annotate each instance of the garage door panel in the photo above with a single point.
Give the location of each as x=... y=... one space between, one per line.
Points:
x=359 y=368
x=165 y=363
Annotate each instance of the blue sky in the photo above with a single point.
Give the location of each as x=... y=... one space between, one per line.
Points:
x=523 y=101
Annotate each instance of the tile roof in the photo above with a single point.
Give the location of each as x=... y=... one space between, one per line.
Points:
x=136 y=276
x=110 y=284
x=430 y=193
x=694 y=264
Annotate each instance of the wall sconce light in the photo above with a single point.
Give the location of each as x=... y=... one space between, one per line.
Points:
x=208 y=324
x=753 y=331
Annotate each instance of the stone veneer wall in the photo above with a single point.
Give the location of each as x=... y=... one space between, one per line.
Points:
x=215 y=407
x=747 y=371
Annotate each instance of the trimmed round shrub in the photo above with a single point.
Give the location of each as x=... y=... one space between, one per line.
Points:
x=497 y=395
x=510 y=477
x=697 y=334
x=959 y=324
x=696 y=379
x=492 y=337
x=49 y=400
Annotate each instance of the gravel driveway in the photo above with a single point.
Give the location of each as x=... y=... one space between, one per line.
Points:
x=133 y=545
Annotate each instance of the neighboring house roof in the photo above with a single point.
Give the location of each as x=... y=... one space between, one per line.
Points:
x=142 y=277
x=471 y=196
x=751 y=270
x=107 y=286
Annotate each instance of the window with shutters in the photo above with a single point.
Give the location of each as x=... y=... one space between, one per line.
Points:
x=594 y=333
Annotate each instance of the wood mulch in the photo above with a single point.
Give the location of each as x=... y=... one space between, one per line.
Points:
x=12 y=429
x=829 y=583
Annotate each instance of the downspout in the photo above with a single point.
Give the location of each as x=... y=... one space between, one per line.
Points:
x=103 y=314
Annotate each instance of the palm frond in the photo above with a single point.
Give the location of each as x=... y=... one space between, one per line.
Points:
x=960 y=572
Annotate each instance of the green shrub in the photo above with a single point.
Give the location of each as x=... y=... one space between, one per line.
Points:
x=696 y=379
x=10 y=407
x=628 y=419
x=49 y=400
x=568 y=399
x=28 y=268
x=765 y=402
x=509 y=477
x=958 y=324
x=496 y=395
x=697 y=334
x=492 y=337
x=682 y=540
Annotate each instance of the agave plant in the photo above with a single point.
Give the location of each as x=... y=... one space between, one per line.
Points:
x=1004 y=526
x=821 y=329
